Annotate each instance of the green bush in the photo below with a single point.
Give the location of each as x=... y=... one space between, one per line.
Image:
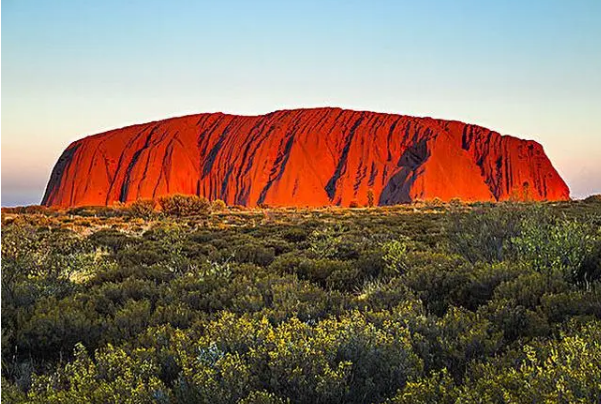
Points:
x=325 y=243
x=218 y=205
x=483 y=234
x=593 y=198
x=113 y=377
x=560 y=246
x=563 y=370
x=184 y=205
x=382 y=305
x=98 y=211
x=144 y=208
x=395 y=256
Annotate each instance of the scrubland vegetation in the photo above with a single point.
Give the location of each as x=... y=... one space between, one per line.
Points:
x=203 y=303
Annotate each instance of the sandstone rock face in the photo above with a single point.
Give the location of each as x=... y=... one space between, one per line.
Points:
x=304 y=157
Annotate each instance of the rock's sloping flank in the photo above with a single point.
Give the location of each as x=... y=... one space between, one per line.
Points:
x=304 y=157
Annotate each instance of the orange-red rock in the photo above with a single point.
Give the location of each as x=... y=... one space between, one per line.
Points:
x=304 y=157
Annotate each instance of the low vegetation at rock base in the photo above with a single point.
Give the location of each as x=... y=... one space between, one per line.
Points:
x=195 y=302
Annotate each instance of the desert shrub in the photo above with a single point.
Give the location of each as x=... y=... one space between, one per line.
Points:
x=295 y=235
x=263 y=397
x=98 y=211
x=590 y=268
x=552 y=371
x=35 y=210
x=328 y=272
x=144 y=208
x=289 y=297
x=55 y=327
x=42 y=263
x=371 y=263
x=303 y=362
x=22 y=253
x=13 y=392
x=478 y=283
x=218 y=205
x=515 y=321
x=484 y=234
x=561 y=370
x=561 y=307
x=383 y=295
x=287 y=263
x=465 y=337
x=434 y=278
x=278 y=245
x=395 y=256
x=254 y=253
x=455 y=203
x=111 y=239
x=344 y=276
x=528 y=287
x=593 y=198
x=129 y=320
x=113 y=376
x=560 y=246
x=301 y=306
x=184 y=205
x=325 y=243
x=437 y=388
x=434 y=203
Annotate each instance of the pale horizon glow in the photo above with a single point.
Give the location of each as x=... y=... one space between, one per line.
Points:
x=73 y=69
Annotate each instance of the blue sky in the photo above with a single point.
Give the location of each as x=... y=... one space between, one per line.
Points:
x=74 y=68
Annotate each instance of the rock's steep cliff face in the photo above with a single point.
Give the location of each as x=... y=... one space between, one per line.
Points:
x=305 y=157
